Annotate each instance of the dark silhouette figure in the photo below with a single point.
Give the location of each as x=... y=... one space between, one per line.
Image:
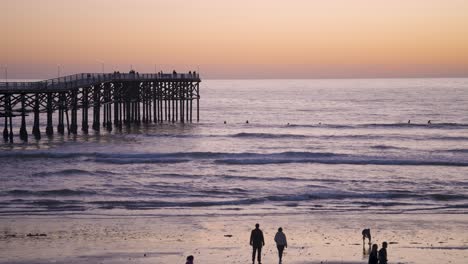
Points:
x=409 y=121
x=225 y=122
x=281 y=243
x=366 y=234
x=373 y=255
x=257 y=242
x=429 y=122
x=247 y=121
x=383 y=254
x=189 y=260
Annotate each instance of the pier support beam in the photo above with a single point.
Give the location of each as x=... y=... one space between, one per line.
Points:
x=5 y=129
x=61 y=126
x=74 y=112
x=96 y=108
x=36 y=130
x=6 y=133
x=84 y=111
x=49 y=126
x=23 y=131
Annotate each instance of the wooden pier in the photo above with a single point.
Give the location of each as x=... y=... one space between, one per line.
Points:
x=115 y=100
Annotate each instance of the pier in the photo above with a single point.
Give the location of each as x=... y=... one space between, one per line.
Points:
x=114 y=99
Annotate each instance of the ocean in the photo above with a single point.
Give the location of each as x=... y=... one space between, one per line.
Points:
x=262 y=147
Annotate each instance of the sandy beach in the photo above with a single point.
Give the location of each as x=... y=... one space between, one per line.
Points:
x=325 y=238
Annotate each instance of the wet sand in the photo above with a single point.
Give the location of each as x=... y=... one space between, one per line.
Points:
x=312 y=238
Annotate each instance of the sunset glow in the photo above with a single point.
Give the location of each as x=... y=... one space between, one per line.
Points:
x=238 y=39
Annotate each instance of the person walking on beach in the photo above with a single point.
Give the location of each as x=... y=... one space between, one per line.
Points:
x=281 y=243
x=373 y=256
x=257 y=242
x=383 y=254
x=189 y=260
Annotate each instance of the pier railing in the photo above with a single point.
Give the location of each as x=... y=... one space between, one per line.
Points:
x=86 y=79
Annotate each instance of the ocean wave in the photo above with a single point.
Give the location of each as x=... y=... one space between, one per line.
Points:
x=458 y=150
x=67 y=172
x=284 y=158
x=384 y=125
x=267 y=135
x=331 y=200
x=385 y=147
x=249 y=158
x=57 y=192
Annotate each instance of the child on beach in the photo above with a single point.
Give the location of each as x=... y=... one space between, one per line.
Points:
x=189 y=260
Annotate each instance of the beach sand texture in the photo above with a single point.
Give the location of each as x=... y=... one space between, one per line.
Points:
x=312 y=239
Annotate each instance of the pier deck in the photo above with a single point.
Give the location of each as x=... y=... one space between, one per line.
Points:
x=118 y=98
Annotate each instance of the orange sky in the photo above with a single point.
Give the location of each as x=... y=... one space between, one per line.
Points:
x=237 y=39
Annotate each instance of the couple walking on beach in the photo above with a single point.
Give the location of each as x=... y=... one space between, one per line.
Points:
x=378 y=256
x=257 y=242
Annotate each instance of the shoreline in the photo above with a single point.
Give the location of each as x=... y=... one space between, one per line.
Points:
x=312 y=238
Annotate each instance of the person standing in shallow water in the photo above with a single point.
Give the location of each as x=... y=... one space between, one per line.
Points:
x=373 y=256
x=257 y=242
x=281 y=243
x=383 y=254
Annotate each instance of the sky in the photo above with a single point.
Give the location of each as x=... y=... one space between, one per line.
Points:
x=236 y=39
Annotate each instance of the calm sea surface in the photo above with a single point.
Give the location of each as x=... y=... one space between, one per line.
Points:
x=311 y=146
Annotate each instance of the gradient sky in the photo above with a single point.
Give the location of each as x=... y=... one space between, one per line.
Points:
x=237 y=39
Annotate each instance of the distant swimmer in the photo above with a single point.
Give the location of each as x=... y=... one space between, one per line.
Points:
x=288 y=124
x=225 y=122
x=247 y=121
x=429 y=122
x=409 y=121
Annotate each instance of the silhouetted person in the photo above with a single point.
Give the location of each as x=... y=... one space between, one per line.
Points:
x=281 y=243
x=383 y=254
x=189 y=260
x=257 y=242
x=225 y=122
x=247 y=121
x=373 y=255
x=429 y=122
x=409 y=121
x=366 y=234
